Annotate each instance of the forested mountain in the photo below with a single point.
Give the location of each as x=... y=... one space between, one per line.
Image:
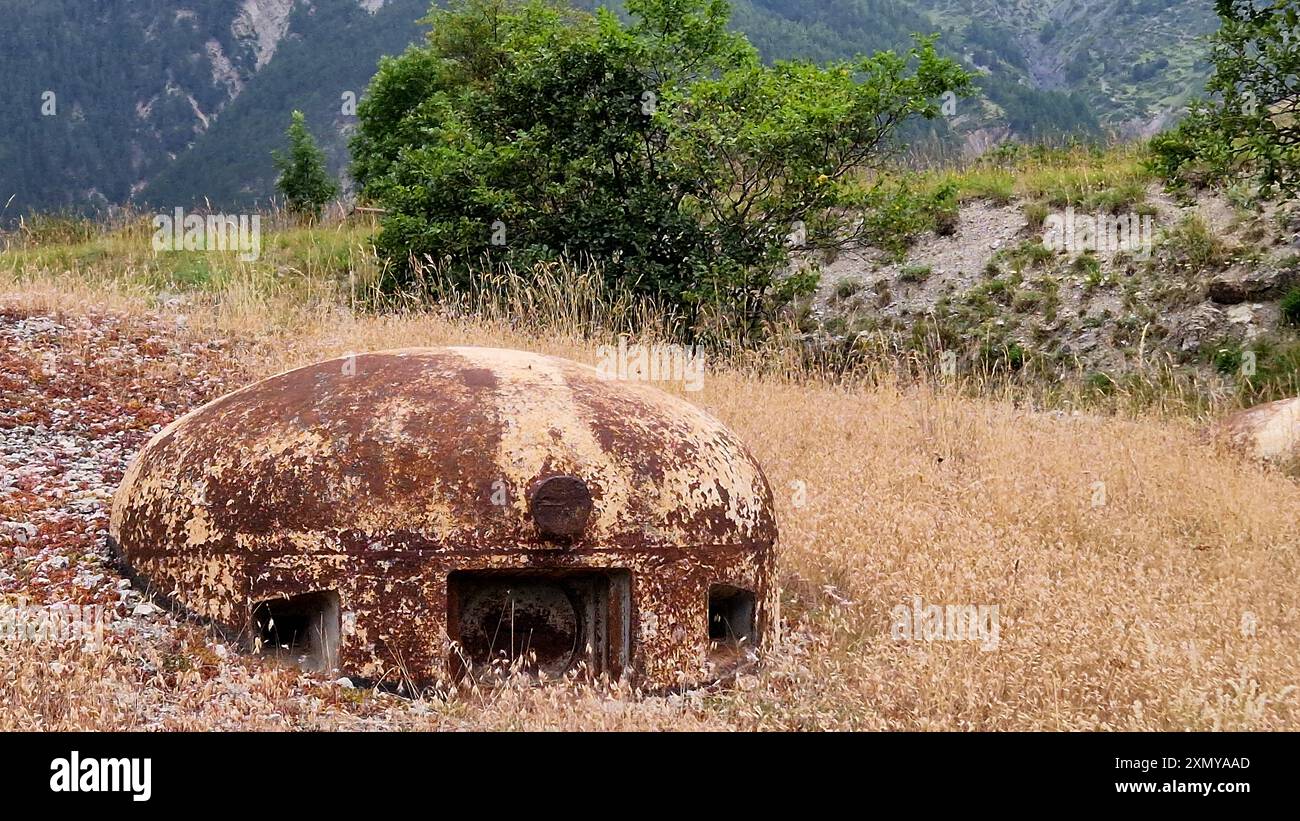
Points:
x=165 y=103
x=96 y=96
x=169 y=102
x=1134 y=62
x=321 y=67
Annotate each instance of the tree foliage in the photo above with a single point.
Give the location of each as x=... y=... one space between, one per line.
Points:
x=1251 y=122
x=304 y=181
x=663 y=148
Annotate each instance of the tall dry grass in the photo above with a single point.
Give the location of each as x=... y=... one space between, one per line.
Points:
x=1169 y=601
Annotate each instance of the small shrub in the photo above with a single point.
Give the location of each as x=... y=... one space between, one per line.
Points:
x=1198 y=246
x=1227 y=360
x=1100 y=383
x=1008 y=356
x=883 y=295
x=915 y=273
x=1087 y=265
x=897 y=215
x=1030 y=255
x=835 y=325
x=1114 y=200
x=1026 y=301
x=1290 y=306
x=1036 y=215
x=945 y=212
x=846 y=288
x=997 y=290
x=1243 y=195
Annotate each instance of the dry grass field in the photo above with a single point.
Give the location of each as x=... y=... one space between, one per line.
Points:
x=1145 y=579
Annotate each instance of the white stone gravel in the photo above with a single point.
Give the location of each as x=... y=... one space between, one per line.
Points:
x=79 y=397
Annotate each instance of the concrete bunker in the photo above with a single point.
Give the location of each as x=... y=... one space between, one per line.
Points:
x=426 y=513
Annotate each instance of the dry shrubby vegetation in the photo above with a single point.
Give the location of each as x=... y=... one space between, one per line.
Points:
x=1213 y=284
x=1169 y=604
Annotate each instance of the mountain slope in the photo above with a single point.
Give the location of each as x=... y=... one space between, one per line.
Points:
x=183 y=101
x=231 y=162
x=1133 y=61
x=97 y=96
x=168 y=106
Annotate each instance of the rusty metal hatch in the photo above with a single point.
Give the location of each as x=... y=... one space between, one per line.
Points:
x=545 y=621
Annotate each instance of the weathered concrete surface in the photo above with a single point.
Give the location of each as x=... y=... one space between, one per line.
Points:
x=1269 y=432
x=376 y=476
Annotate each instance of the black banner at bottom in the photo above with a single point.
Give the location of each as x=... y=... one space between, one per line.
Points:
x=344 y=772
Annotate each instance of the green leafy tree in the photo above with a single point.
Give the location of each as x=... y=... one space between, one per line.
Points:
x=304 y=182
x=1251 y=122
x=662 y=148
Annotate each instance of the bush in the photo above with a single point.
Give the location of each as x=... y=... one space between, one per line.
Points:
x=662 y=149
x=1227 y=360
x=1087 y=264
x=1290 y=306
x=1036 y=215
x=896 y=214
x=946 y=211
x=915 y=273
x=1009 y=356
x=1026 y=301
x=1028 y=254
x=305 y=183
x=1197 y=245
x=1249 y=123
x=847 y=288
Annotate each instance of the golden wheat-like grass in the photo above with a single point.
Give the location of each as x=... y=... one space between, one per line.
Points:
x=1145 y=579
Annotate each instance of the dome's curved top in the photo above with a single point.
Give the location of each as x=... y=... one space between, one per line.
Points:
x=438 y=449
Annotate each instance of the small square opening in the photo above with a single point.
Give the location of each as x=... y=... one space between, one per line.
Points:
x=731 y=615
x=302 y=630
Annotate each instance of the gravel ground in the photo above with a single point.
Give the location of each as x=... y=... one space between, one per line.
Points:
x=79 y=397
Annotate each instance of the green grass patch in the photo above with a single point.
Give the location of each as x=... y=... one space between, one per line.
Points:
x=1192 y=241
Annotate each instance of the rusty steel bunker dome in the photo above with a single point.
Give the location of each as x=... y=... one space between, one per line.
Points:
x=433 y=510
